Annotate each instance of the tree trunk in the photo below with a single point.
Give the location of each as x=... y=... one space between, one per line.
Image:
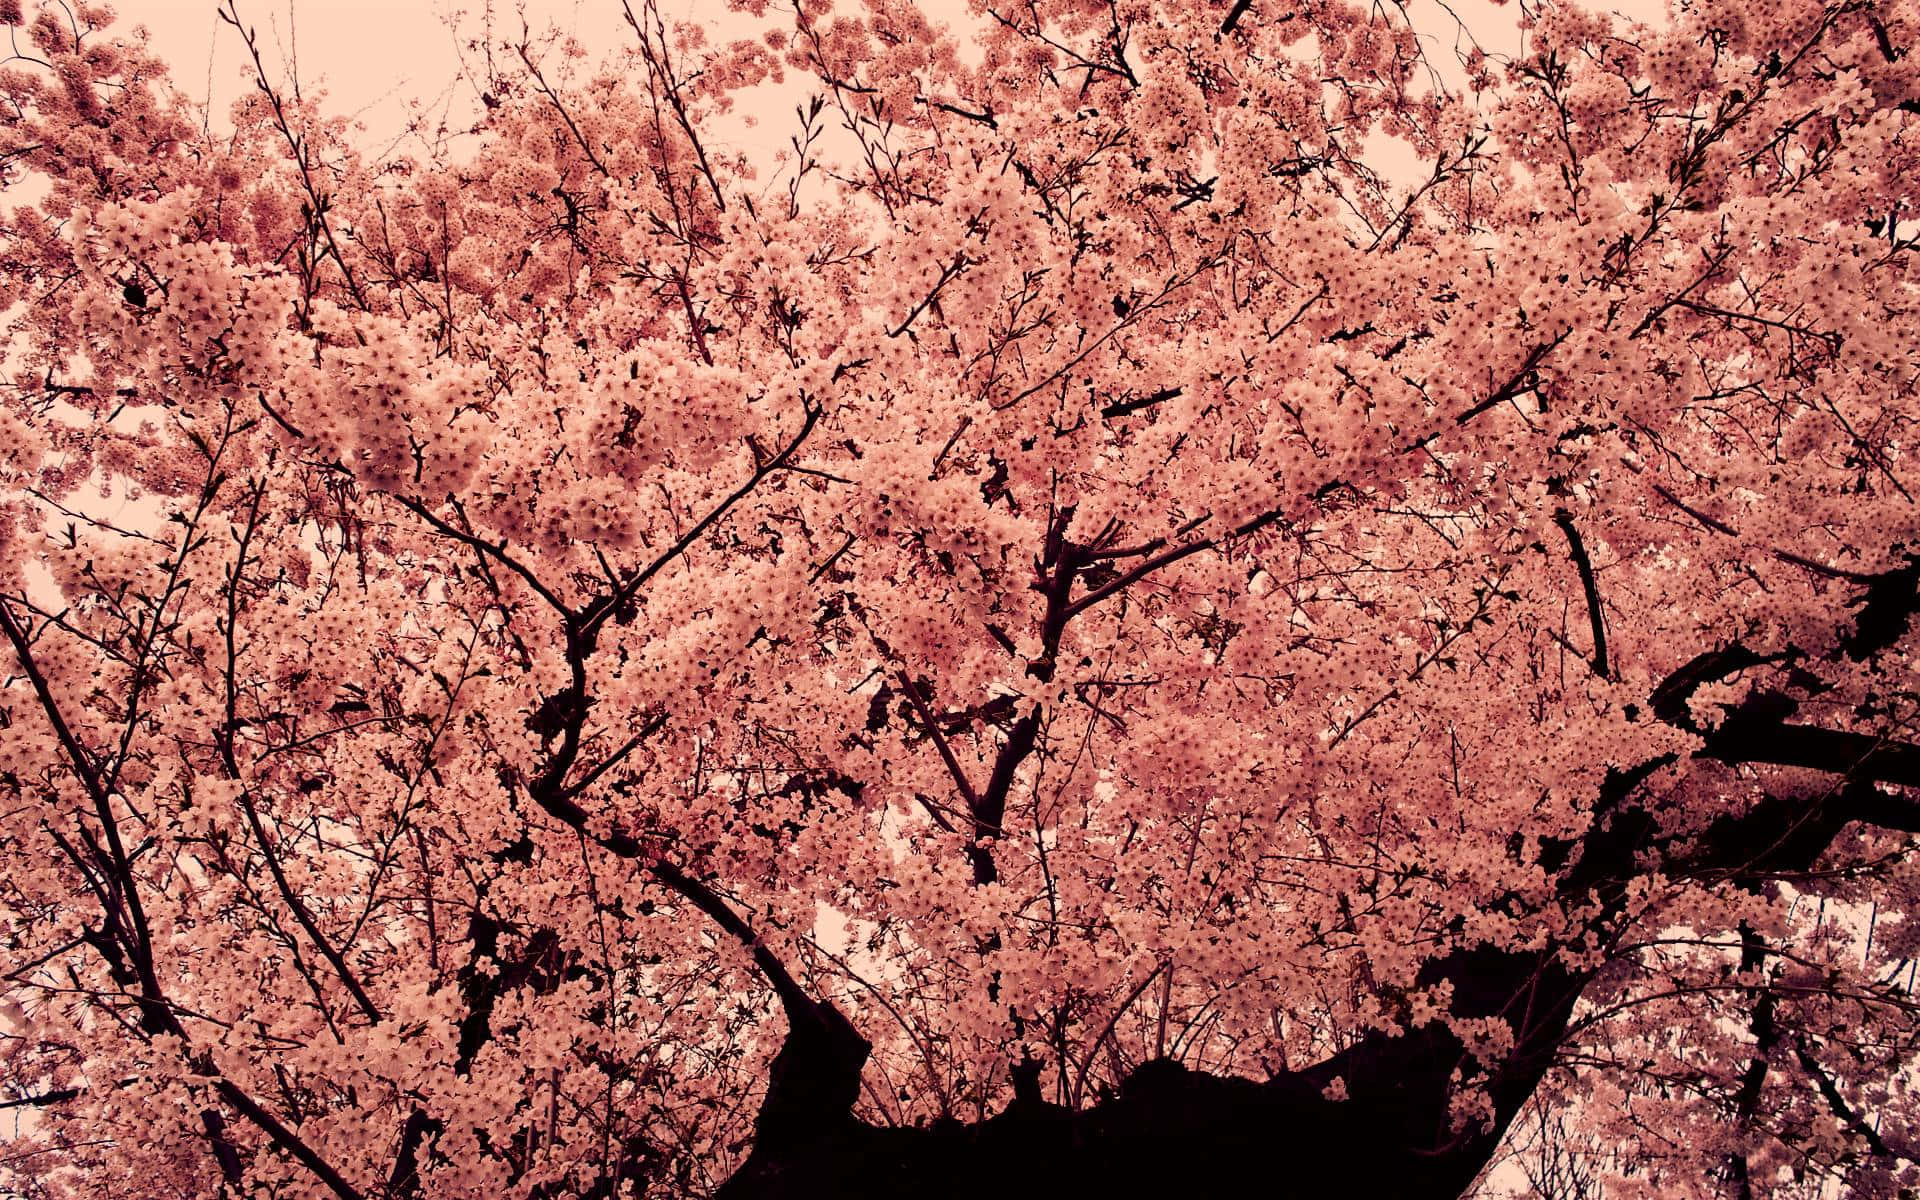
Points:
x=1172 y=1131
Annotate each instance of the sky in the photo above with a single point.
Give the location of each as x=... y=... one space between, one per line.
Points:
x=376 y=59
x=379 y=58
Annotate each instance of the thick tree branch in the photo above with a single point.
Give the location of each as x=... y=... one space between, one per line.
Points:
x=1121 y=408
x=1854 y=755
x=44 y=1099
x=1837 y=1103
x=1173 y=1129
x=224 y=1151
x=1596 y=620
x=826 y=1052
x=1670 y=698
x=654 y=725
x=286 y=1139
x=404 y=1179
x=1765 y=1028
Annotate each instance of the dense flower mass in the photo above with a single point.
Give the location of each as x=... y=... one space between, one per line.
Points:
x=1082 y=631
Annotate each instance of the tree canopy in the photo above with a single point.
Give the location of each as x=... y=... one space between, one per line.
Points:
x=1080 y=632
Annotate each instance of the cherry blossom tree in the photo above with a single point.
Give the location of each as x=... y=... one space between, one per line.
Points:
x=1072 y=636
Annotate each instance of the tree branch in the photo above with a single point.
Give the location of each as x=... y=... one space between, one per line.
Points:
x=1838 y=1103
x=496 y=552
x=595 y=615
x=946 y=752
x=1744 y=739
x=1578 y=549
x=1164 y=559
x=286 y=1139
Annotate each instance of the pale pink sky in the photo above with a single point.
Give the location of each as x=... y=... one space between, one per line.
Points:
x=374 y=57
x=377 y=56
